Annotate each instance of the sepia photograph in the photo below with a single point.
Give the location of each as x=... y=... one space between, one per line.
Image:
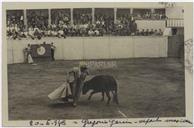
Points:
x=100 y=61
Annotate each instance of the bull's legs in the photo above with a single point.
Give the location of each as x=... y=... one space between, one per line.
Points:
x=113 y=96
x=109 y=98
x=91 y=95
x=102 y=96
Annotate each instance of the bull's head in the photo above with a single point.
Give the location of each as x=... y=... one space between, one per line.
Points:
x=85 y=88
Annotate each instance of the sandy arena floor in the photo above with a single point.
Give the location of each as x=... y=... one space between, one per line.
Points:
x=147 y=88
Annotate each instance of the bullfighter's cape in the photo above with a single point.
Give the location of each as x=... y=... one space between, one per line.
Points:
x=61 y=92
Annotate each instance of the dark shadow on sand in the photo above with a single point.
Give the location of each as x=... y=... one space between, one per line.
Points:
x=60 y=105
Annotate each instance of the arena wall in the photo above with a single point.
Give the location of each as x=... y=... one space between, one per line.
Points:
x=75 y=48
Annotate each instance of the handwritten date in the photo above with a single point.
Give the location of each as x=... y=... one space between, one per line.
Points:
x=53 y=123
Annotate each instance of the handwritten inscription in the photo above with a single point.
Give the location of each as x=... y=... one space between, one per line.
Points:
x=108 y=122
x=178 y=121
x=116 y=122
x=54 y=123
x=113 y=122
x=147 y=121
x=92 y=123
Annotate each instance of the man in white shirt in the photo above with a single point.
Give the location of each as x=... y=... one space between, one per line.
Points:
x=31 y=32
x=60 y=33
x=97 y=33
x=90 y=32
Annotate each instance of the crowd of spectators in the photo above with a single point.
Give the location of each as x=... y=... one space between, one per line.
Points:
x=15 y=19
x=149 y=15
x=60 y=17
x=37 y=19
x=82 y=16
x=61 y=27
x=15 y=22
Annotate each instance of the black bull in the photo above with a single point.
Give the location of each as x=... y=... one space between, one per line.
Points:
x=104 y=84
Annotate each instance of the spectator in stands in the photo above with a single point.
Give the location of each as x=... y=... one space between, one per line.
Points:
x=60 y=27
x=54 y=32
x=8 y=31
x=142 y=33
x=82 y=29
x=155 y=32
x=65 y=30
x=160 y=32
x=14 y=34
x=53 y=26
x=147 y=15
x=147 y=32
x=151 y=32
x=60 y=33
x=96 y=32
x=31 y=32
x=91 y=32
x=48 y=31
x=37 y=33
x=23 y=32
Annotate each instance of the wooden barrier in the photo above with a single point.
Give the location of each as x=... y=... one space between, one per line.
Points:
x=79 y=48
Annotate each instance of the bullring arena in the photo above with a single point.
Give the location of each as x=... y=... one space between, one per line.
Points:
x=148 y=67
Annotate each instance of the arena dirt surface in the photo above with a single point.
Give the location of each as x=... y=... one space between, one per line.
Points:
x=147 y=88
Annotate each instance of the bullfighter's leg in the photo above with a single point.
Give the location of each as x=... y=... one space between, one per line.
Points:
x=109 y=98
x=102 y=96
x=91 y=95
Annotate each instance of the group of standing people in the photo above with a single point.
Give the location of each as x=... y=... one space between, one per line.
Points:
x=72 y=87
x=28 y=53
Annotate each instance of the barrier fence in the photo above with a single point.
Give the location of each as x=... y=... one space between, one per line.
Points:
x=84 y=48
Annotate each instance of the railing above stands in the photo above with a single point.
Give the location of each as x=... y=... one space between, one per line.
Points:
x=175 y=22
